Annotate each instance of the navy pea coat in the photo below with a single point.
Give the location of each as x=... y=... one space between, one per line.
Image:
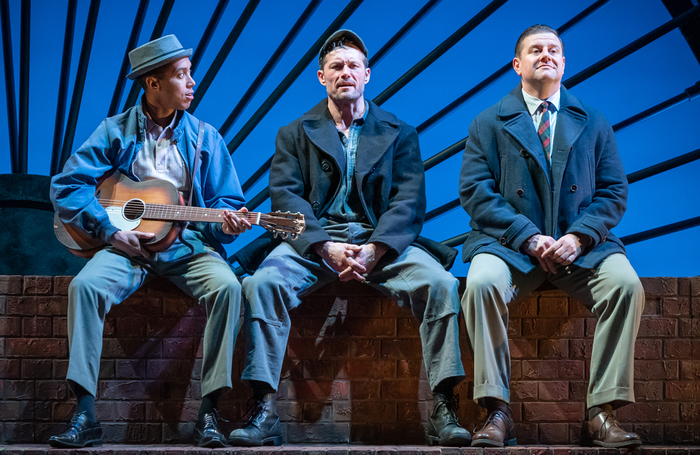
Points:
x=507 y=190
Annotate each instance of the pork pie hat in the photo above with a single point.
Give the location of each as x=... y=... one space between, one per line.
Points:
x=156 y=53
x=339 y=38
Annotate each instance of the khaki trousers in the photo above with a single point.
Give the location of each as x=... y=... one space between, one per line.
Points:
x=612 y=291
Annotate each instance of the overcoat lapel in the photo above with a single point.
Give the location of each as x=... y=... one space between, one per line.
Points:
x=320 y=129
x=378 y=133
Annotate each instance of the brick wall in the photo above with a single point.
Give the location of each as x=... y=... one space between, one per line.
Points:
x=353 y=372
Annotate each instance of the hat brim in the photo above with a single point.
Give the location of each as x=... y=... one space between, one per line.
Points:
x=163 y=60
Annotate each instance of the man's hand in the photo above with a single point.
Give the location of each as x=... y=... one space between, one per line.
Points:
x=364 y=259
x=336 y=255
x=234 y=225
x=129 y=242
x=536 y=246
x=565 y=250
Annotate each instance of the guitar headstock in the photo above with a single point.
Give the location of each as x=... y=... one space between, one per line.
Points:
x=285 y=224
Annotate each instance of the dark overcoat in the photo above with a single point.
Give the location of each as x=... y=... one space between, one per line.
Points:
x=308 y=169
x=508 y=192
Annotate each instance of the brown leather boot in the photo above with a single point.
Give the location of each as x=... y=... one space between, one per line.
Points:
x=604 y=430
x=497 y=431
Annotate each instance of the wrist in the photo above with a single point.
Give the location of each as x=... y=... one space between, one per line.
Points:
x=319 y=247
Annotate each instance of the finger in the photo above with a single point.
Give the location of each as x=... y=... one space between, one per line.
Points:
x=552 y=265
x=143 y=235
x=353 y=247
x=356 y=266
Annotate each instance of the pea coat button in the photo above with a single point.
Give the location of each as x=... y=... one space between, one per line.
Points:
x=574 y=188
x=503 y=241
x=520 y=192
x=524 y=153
x=315 y=205
x=325 y=166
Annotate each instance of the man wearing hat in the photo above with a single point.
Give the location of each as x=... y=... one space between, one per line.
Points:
x=355 y=172
x=156 y=139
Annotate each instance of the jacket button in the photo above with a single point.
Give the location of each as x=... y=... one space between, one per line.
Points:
x=524 y=153
x=325 y=166
x=503 y=241
x=315 y=205
x=520 y=192
x=574 y=188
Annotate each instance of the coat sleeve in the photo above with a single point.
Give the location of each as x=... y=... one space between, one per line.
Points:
x=479 y=194
x=401 y=223
x=73 y=190
x=287 y=189
x=609 y=200
x=220 y=186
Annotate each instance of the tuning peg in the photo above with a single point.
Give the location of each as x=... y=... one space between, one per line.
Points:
x=274 y=233
x=285 y=235
x=295 y=236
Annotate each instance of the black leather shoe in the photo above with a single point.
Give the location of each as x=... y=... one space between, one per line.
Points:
x=207 y=431
x=80 y=433
x=262 y=427
x=444 y=428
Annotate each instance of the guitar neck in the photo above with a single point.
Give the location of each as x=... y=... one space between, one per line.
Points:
x=164 y=212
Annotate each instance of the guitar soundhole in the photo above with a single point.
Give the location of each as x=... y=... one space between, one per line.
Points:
x=133 y=210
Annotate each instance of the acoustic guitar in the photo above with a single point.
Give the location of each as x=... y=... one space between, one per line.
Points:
x=156 y=206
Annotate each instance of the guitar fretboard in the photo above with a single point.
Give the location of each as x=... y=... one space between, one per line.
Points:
x=165 y=212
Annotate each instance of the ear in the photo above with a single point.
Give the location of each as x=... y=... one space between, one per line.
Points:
x=367 y=71
x=153 y=83
x=321 y=77
x=516 y=66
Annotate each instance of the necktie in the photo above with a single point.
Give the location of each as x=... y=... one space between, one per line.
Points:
x=544 y=130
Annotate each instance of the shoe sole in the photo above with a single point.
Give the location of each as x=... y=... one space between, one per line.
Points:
x=68 y=445
x=619 y=445
x=491 y=443
x=269 y=441
x=453 y=442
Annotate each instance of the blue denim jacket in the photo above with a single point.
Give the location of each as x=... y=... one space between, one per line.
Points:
x=115 y=145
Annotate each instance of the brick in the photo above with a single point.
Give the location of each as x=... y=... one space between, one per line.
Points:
x=651 y=433
x=526 y=434
x=367 y=369
x=649 y=390
x=36 y=327
x=657 y=327
x=553 y=412
x=313 y=348
x=695 y=286
x=682 y=391
x=319 y=369
x=3 y=308
x=525 y=308
x=131 y=349
x=107 y=369
x=515 y=328
x=131 y=433
x=51 y=306
x=646 y=370
x=689 y=328
x=580 y=349
x=52 y=390
x=327 y=433
x=10 y=284
x=370 y=327
x=178 y=348
x=19 y=390
x=400 y=390
x=16 y=410
x=45 y=348
x=676 y=306
x=552 y=369
x=660 y=286
x=317 y=390
x=554 y=349
x=652 y=306
x=553 y=391
x=410 y=369
x=10 y=327
x=523 y=391
x=647 y=349
x=649 y=412
x=19 y=432
x=131 y=327
x=161 y=412
x=408 y=348
x=680 y=348
x=369 y=411
x=553 y=328
x=60 y=327
x=403 y=433
x=364 y=348
x=553 y=306
x=682 y=433
x=578 y=390
x=130 y=369
x=21 y=306
x=690 y=370
x=684 y=286
x=366 y=390
x=134 y=390
x=360 y=434
x=60 y=284
x=690 y=412
x=695 y=307
x=37 y=285
x=36 y=369
x=553 y=433
x=521 y=348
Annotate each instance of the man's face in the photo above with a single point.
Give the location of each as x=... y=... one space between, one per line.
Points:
x=175 y=88
x=344 y=74
x=541 y=59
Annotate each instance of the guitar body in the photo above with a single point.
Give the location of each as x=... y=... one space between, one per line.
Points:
x=113 y=193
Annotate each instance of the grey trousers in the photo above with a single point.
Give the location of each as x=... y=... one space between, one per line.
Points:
x=414 y=279
x=612 y=291
x=110 y=277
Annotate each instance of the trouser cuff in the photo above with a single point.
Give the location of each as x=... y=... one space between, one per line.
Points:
x=493 y=391
x=618 y=395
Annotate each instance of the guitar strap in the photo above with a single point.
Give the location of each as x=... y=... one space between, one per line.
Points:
x=198 y=151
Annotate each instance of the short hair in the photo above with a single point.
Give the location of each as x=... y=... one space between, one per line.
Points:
x=158 y=73
x=534 y=30
x=335 y=47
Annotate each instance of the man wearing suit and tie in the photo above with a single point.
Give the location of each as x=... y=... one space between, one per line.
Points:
x=543 y=184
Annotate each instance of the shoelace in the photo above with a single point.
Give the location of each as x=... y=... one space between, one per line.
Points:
x=451 y=408
x=255 y=409
x=491 y=418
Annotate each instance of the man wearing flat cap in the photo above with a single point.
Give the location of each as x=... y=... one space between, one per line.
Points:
x=355 y=172
x=156 y=139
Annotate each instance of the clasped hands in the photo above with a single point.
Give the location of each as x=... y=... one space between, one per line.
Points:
x=352 y=262
x=129 y=242
x=551 y=253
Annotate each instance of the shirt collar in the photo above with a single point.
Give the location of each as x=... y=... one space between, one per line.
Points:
x=152 y=127
x=532 y=102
